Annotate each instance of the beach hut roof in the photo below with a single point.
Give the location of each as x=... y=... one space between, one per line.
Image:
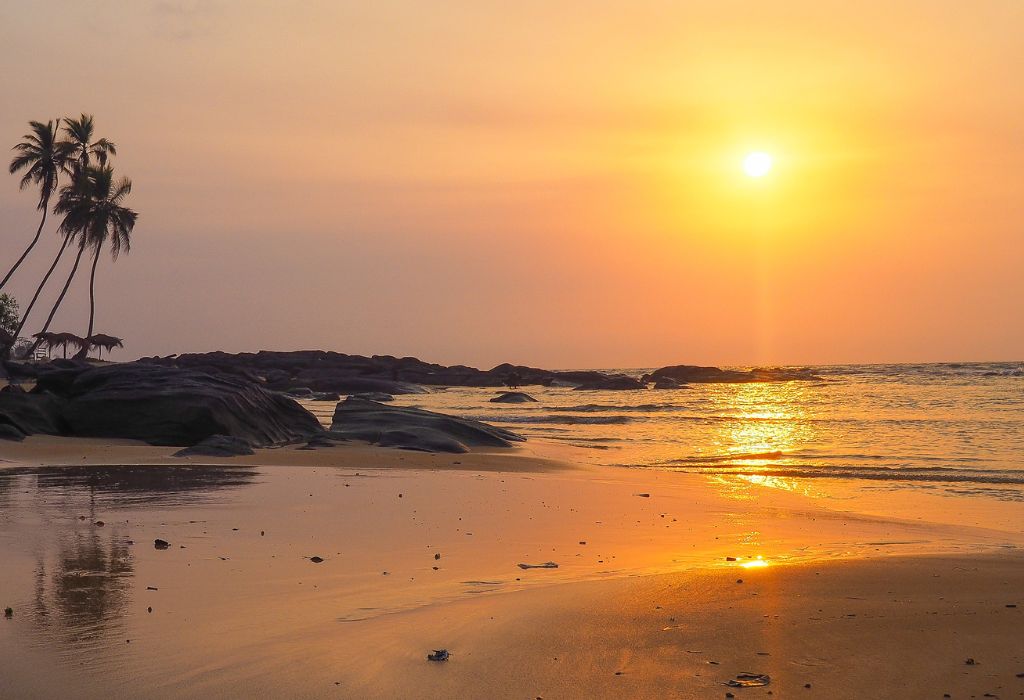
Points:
x=105 y=341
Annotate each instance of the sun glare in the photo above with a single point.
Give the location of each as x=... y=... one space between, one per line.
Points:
x=757 y=164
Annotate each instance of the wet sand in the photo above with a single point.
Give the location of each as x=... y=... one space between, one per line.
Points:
x=857 y=605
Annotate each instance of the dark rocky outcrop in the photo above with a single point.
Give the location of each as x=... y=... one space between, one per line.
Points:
x=158 y=405
x=696 y=374
x=319 y=370
x=513 y=397
x=32 y=413
x=413 y=428
x=617 y=382
x=217 y=446
x=9 y=432
x=165 y=406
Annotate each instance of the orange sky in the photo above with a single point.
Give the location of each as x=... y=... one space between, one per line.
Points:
x=556 y=184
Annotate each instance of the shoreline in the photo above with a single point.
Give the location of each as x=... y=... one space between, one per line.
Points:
x=238 y=607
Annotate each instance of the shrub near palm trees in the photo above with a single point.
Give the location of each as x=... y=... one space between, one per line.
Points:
x=43 y=158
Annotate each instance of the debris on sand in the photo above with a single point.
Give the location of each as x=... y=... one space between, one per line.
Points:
x=545 y=565
x=316 y=560
x=161 y=544
x=749 y=680
x=438 y=655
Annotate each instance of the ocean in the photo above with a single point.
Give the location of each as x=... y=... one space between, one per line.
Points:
x=957 y=428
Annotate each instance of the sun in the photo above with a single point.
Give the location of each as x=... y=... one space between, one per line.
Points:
x=757 y=164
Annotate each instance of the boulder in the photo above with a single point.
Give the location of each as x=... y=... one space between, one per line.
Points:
x=377 y=396
x=167 y=406
x=32 y=413
x=616 y=382
x=10 y=432
x=414 y=428
x=217 y=446
x=513 y=397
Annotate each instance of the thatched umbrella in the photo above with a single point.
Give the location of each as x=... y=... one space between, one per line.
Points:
x=104 y=342
x=52 y=340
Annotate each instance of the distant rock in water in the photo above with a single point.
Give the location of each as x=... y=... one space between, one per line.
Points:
x=616 y=382
x=158 y=405
x=706 y=375
x=217 y=446
x=513 y=397
x=414 y=428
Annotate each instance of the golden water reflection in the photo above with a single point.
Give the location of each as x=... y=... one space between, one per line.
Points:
x=768 y=425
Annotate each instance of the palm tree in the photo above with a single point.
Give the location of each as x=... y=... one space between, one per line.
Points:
x=93 y=214
x=43 y=158
x=78 y=135
x=108 y=220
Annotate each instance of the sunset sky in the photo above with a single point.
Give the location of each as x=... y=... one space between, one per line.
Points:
x=556 y=184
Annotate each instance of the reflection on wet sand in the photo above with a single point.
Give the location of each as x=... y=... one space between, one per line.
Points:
x=236 y=601
x=83 y=566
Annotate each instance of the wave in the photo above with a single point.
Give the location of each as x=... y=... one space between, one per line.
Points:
x=918 y=474
x=558 y=420
x=597 y=407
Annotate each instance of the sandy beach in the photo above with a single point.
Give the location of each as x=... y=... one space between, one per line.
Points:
x=668 y=585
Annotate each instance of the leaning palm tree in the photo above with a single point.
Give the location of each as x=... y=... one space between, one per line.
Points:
x=93 y=214
x=108 y=220
x=43 y=157
x=78 y=134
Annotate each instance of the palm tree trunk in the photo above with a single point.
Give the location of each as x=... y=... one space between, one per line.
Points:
x=92 y=290
x=84 y=351
x=39 y=289
x=60 y=299
x=46 y=205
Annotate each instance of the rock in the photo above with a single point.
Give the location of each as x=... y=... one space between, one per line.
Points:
x=12 y=389
x=377 y=396
x=316 y=560
x=325 y=440
x=513 y=397
x=32 y=413
x=318 y=370
x=309 y=395
x=438 y=655
x=164 y=406
x=161 y=544
x=749 y=680
x=413 y=428
x=10 y=432
x=545 y=565
x=617 y=382
x=698 y=374
x=8 y=612
x=217 y=446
